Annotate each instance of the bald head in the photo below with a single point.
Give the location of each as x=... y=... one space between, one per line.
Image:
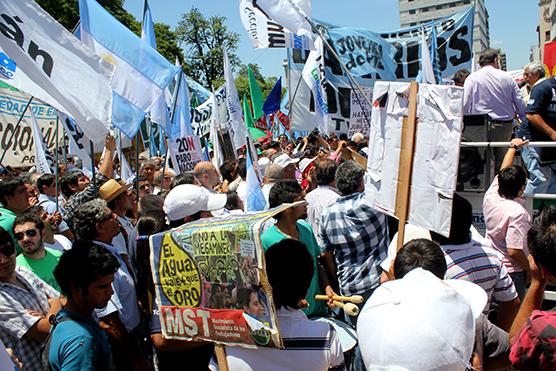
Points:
x=206 y=174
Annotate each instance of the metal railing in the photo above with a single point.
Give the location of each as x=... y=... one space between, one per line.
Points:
x=548 y=295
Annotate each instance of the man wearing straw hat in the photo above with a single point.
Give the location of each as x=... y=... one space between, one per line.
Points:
x=118 y=200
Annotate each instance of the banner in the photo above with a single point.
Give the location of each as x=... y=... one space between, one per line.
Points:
x=550 y=58
x=360 y=112
x=78 y=144
x=185 y=152
x=369 y=59
x=43 y=59
x=265 y=33
x=20 y=150
x=204 y=273
x=314 y=76
x=236 y=127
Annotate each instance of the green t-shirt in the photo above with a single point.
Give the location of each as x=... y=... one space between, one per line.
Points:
x=44 y=268
x=7 y=218
x=306 y=235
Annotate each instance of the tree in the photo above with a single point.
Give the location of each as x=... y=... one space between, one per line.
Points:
x=66 y=12
x=242 y=81
x=202 y=39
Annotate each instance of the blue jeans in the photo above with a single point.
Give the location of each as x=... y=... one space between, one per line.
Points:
x=519 y=283
x=542 y=179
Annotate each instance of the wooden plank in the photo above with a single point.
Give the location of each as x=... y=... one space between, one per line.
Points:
x=220 y=352
x=407 y=150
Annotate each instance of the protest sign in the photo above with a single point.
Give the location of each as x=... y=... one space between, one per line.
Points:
x=201 y=272
x=20 y=150
x=374 y=56
x=201 y=116
x=360 y=112
x=436 y=156
x=186 y=153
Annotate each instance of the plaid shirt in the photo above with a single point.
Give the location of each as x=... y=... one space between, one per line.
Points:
x=317 y=200
x=77 y=199
x=357 y=235
x=15 y=321
x=535 y=346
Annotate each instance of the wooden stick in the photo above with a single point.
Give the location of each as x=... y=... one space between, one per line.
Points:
x=220 y=352
x=405 y=170
x=349 y=308
x=357 y=299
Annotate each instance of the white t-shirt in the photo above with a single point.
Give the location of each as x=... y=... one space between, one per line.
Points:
x=61 y=243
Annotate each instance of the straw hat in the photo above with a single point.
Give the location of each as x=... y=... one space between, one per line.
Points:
x=112 y=189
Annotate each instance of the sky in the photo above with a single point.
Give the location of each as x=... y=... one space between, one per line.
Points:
x=513 y=23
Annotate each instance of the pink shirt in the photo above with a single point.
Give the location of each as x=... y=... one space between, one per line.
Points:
x=507 y=224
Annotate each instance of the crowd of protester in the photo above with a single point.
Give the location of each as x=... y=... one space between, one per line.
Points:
x=76 y=289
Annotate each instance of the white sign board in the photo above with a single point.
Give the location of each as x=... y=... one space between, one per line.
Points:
x=435 y=163
x=186 y=153
x=360 y=113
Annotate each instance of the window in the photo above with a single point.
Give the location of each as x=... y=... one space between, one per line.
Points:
x=412 y=11
x=425 y=9
x=547 y=36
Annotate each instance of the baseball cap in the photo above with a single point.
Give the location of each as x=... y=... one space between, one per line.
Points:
x=188 y=199
x=420 y=322
x=284 y=160
x=273 y=172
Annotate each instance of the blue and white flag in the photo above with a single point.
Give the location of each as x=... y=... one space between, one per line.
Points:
x=435 y=58
x=159 y=112
x=78 y=143
x=45 y=60
x=255 y=200
x=292 y=14
x=313 y=74
x=180 y=125
x=141 y=73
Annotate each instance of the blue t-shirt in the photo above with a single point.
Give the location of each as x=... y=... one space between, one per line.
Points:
x=543 y=103
x=79 y=344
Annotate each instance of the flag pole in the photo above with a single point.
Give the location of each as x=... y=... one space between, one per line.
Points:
x=137 y=166
x=93 y=170
x=56 y=174
x=15 y=127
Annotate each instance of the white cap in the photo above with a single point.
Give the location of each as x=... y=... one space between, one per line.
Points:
x=284 y=160
x=306 y=162
x=188 y=199
x=420 y=322
x=263 y=163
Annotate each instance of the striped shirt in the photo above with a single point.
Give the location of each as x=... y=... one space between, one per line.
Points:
x=309 y=345
x=317 y=200
x=482 y=265
x=15 y=319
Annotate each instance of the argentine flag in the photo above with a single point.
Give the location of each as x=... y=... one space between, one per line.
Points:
x=141 y=73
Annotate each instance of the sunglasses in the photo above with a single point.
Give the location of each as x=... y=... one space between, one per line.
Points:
x=30 y=233
x=7 y=250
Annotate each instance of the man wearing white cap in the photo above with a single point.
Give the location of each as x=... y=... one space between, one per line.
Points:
x=189 y=202
x=419 y=321
x=288 y=164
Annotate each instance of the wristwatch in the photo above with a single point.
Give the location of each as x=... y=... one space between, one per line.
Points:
x=515 y=146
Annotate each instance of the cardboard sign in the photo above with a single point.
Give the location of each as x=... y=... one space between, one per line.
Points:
x=360 y=115
x=201 y=272
x=186 y=153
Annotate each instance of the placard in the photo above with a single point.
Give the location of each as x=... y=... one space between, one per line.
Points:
x=186 y=153
x=201 y=272
x=360 y=112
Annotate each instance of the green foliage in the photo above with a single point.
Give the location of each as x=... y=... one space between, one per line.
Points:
x=202 y=39
x=242 y=81
x=66 y=12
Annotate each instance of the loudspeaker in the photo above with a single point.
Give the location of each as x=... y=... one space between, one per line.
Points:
x=475 y=170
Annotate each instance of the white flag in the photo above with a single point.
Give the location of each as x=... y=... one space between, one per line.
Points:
x=79 y=144
x=218 y=158
x=426 y=73
x=291 y=14
x=126 y=174
x=236 y=127
x=43 y=59
x=43 y=159
x=313 y=74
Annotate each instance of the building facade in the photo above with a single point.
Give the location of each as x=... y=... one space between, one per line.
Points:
x=545 y=25
x=415 y=12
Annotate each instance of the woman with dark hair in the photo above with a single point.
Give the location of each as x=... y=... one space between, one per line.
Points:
x=152 y=222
